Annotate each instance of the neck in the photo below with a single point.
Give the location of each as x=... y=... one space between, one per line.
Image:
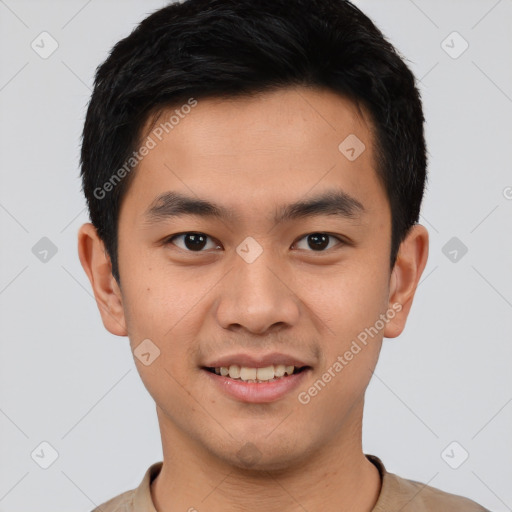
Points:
x=334 y=477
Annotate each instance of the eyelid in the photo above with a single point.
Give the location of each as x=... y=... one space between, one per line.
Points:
x=168 y=240
x=331 y=235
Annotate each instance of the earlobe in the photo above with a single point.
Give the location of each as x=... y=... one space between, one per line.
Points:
x=97 y=266
x=410 y=263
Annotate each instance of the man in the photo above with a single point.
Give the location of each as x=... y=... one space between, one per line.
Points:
x=254 y=172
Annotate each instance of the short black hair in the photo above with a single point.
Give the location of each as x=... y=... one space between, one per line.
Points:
x=231 y=48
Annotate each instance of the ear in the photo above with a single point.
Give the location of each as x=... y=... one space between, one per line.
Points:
x=96 y=263
x=410 y=263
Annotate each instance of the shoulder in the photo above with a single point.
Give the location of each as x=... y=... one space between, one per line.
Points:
x=134 y=500
x=406 y=495
x=422 y=497
x=121 y=503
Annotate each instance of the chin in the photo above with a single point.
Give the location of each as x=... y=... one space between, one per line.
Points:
x=264 y=455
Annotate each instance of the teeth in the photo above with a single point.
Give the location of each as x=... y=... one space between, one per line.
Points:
x=266 y=373
x=279 y=370
x=255 y=374
x=234 y=371
x=247 y=373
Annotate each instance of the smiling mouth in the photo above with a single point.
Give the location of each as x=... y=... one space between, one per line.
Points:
x=270 y=373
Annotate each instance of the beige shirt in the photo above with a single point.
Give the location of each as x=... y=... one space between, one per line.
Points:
x=396 y=495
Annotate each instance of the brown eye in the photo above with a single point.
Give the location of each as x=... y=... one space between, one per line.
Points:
x=319 y=241
x=193 y=242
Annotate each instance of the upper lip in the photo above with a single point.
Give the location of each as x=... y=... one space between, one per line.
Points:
x=256 y=360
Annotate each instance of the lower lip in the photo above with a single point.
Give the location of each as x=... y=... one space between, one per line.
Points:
x=257 y=393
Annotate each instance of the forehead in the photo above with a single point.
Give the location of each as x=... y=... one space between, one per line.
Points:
x=248 y=151
x=290 y=116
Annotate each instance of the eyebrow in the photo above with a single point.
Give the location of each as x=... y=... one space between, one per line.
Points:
x=331 y=202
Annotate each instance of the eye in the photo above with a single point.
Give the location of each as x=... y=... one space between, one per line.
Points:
x=320 y=241
x=198 y=242
x=192 y=241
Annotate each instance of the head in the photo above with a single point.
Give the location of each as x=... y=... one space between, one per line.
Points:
x=254 y=174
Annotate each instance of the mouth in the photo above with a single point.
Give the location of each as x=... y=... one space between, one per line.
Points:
x=270 y=373
x=256 y=384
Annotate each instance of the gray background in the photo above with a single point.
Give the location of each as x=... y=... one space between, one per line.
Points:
x=66 y=381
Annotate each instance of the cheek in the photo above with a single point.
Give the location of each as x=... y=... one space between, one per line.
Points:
x=162 y=307
x=152 y=302
x=158 y=326
x=346 y=299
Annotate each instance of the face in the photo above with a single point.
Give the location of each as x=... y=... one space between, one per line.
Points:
x=252 y=282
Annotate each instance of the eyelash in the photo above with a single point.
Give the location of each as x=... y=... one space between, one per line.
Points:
x=169 y=240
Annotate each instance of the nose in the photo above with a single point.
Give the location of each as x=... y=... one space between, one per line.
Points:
x=257 y=297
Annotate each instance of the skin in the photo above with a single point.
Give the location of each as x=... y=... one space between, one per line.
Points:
x=254 y=155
